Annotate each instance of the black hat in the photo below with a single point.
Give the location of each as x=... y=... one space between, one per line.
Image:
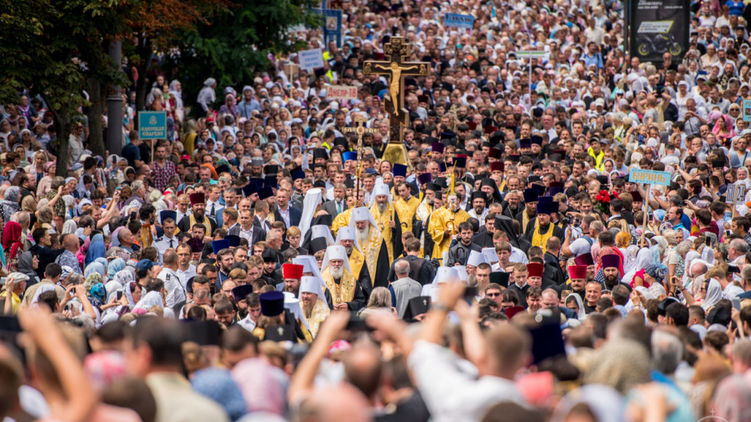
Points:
x=416 y=306
x=320 y=153
x=233 y=239
x=270 y=169
x=719 y=315
x=530 y=195
x=167 y=215
x=479 y=194
x=499 y=277
x=297 y=173
x=224 y=168
x=525 y=143
x=272 y=303
x=341 y=141
x=536 y=139
x=318 y=244
x=205 y=333
x=242 y=291
x=219 y=245
x=195 y=244
x=547 y=341
x=425 y=178
x=254 y=186
x=269 y=255
x=279 y=333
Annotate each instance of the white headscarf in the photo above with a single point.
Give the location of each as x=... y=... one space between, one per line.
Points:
x=713 y=294
x=310 y=205
x=150 y=299
x=581 y=314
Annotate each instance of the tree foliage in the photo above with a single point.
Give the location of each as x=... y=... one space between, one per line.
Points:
x=237 y=41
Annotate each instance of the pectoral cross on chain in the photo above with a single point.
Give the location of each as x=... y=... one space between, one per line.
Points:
x=395 y=69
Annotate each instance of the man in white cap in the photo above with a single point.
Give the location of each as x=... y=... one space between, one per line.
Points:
x=372 y=245
x=346 y=292
x=15 y=285
x=388 y=220
x=314 y=306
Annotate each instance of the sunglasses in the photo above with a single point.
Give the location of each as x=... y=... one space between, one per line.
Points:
x=492 y=294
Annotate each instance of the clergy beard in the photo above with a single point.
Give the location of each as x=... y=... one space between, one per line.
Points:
x=381 y=207
x=242 y=313
x=308 y=308
x=349 y=249
x=337 y=274
x=362 y=235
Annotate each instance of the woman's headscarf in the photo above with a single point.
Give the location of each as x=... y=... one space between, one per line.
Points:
x=115 y=266
x=582 y=313
x=94 y=268
x=26 y=267
x=97 y=294
x=12 y=239
x=69 y=227
x=150 y=300
x=96 y=249
x=713 y=294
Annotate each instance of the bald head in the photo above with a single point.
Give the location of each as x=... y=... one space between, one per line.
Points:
x=343 y=403
x=71 y=242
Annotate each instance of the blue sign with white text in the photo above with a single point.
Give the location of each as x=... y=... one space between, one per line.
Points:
x=458 y=21
x=152 y=125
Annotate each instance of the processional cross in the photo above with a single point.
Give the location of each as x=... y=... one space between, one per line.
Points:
x=395 y=69
x=359 y=129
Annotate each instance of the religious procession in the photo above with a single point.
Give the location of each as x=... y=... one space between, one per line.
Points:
x=432 y=211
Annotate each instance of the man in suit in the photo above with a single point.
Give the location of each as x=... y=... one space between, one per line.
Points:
x=260 y=219
x=339 y=203
x=248 y=229
x=284 y=211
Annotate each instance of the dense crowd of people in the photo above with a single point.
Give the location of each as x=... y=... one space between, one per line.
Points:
x=258 y=265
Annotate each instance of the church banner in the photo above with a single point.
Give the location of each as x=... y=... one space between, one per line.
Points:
x=658 y=26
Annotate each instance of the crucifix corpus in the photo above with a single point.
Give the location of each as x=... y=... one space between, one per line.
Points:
x=395 y=68
x=359 y=129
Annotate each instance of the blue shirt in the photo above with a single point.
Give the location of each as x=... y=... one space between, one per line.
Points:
x=735 y=8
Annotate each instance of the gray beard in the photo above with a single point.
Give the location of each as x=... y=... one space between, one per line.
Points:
x=381 y=207
x=349 y=249
x=362 y=235
x=337 y=273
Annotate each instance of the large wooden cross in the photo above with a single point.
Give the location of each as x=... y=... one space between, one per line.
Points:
x=395 y=69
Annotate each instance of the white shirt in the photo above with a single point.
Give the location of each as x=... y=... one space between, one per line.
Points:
x=217 y=206
x=480 y=218
x=450 y=394
x=285 y=215
x=186 y=275
x=163 y=243
x=247 y=323
x=173 y=286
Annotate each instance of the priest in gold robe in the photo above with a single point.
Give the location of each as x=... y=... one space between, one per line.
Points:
x=346 y=291
x=347 y=238
x=541 y=228
x=313 y=302
x=406 y=206
x=388 y=221
x=372 y=245
x=444 y=225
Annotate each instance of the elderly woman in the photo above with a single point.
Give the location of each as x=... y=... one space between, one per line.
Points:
x=676 y=260
x=45 y=182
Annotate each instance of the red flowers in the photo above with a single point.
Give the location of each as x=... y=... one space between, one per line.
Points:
x=603 y=196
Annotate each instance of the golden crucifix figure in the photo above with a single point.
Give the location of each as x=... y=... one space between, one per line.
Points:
x=395 y=69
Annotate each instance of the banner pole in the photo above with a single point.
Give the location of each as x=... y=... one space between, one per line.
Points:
x=646 y=212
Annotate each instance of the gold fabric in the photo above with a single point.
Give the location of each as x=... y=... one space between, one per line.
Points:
x=344 y=291
x=341 y=220
x=319 y=313
x=384 y=224
x=442 y=219
x=406 y=211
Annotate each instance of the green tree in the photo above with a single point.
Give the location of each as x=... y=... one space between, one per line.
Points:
x=53 y=48
x=237 y=41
